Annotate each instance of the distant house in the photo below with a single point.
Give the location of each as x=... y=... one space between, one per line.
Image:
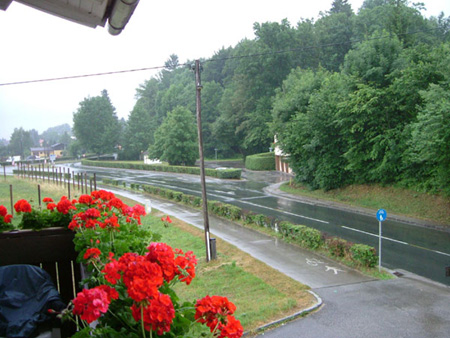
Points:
x=45 y=152
x=281 y=159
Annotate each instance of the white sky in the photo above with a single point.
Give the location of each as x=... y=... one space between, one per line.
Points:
x=36 y=45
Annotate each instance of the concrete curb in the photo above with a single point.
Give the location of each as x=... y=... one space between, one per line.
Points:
x=288 y=318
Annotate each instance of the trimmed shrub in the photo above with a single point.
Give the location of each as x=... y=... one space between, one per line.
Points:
x=305 y=236
x=338 y=247
x=264 y=161
x=228 y=173
x=364 y=255
x=225 y=174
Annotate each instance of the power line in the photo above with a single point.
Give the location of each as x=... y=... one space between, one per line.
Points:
x=82 y=76
x=292 y=50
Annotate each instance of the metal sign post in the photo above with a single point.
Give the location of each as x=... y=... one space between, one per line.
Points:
x=381 y=217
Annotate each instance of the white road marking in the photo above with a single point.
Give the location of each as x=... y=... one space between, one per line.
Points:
x=395 y=240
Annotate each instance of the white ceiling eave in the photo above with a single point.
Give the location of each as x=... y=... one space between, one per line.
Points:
x=90 y=13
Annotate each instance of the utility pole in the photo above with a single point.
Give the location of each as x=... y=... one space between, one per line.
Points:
x=199 y=87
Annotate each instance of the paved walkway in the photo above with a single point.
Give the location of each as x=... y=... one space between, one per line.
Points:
x=354 y=305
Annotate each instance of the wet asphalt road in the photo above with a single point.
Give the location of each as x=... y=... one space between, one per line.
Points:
x=352 y=305
x=405 y=245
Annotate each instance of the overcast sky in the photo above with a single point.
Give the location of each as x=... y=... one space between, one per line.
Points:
x=36 y=45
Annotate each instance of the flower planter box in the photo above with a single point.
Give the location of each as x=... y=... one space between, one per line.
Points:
x=53 y=250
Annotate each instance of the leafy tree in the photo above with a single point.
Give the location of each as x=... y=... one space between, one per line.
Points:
x=307 y=56
x=313 y=137
x=430 y=141
x=211 y=96
x=172 y=63
x=20 y=142
x=215 y=70
x=373 y=60
x=34 y=135
x=334 y=36
x=95 y=124
x=294 y=96
x=139 y=131
x=176 y=138
x=53 y=135
x=341 y=6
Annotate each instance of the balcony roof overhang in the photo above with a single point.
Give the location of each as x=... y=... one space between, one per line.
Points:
x=91 y=13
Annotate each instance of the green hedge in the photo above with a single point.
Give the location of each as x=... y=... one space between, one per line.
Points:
x=307 y=237
x=223 y=173
x=263 y=161
x=361 y=255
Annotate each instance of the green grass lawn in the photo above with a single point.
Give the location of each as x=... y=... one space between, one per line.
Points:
x=260 y=293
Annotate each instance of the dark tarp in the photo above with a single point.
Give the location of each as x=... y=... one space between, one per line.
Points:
x=26 y=293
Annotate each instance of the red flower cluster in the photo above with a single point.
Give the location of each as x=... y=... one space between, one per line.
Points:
x=183 y=265
x=142 y=279
x=64 y=205
x=92 y=253
x=91 y=303
x=103 y=202
x=48 y=200
x=22 y=206
x=162 y=254
x=4 y=216
x=166 y=220
x=157 y=316
x=3 y=210
x=216 y=312
x=86 y=199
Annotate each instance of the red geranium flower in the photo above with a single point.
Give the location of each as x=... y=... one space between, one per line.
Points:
x=48 y=200
x=92 y=253
x=7 y=218
x=90 y=304
x=112 y=270
x=3 y=210
x=116 y=203
x=162 y=254
x=157 y=315
x=85 y=199
x=111 y=292
x=64 y=205
x=51 y=206
x=22 y=206
x=232 y=328
x=213 y=310
x=185 y=265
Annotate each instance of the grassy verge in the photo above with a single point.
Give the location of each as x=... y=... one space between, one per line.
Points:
x=261 y=294
x=395 y=200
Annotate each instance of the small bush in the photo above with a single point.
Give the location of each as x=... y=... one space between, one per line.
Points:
x=264 y=161
x=306 y=237
x=364 y=255
x=337 y=247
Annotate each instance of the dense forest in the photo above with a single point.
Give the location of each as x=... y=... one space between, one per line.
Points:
x=352 y=97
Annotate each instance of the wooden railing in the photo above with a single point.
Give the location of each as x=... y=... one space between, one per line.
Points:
x=51 y=249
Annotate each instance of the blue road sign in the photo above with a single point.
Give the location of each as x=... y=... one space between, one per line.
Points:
x=381 y=215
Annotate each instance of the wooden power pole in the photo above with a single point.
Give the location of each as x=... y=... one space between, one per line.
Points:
x=199 y=87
